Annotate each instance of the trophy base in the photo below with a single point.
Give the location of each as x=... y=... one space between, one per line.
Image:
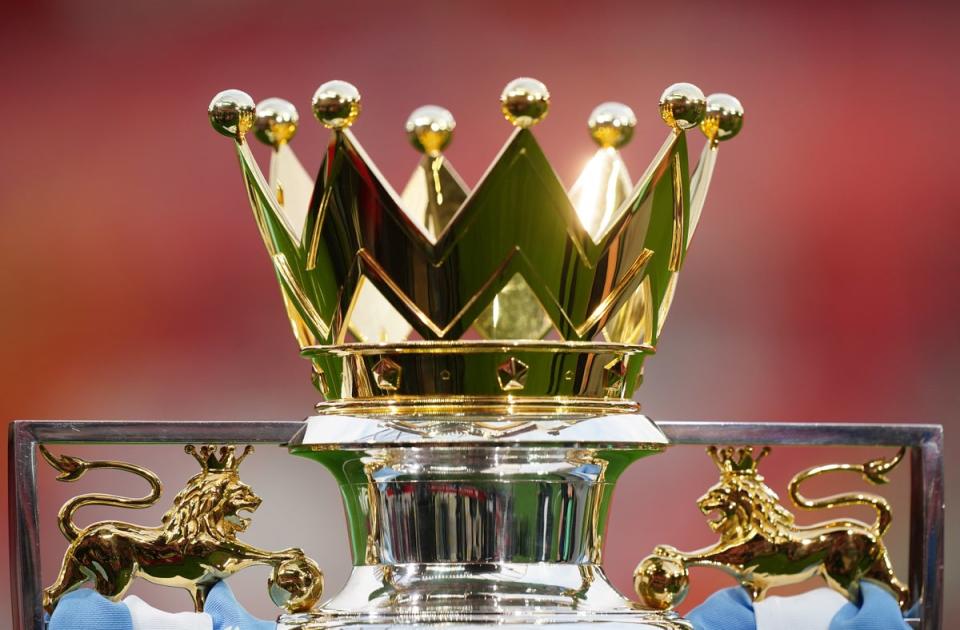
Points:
x=479 y=594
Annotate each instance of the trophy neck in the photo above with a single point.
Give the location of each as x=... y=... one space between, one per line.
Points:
x=459 y=491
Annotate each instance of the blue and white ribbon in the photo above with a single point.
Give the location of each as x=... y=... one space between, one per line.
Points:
x=729 y=609
x=85 y=609
x=820 y=609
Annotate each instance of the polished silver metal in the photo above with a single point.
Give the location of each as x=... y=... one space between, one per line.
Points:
x=456 y=505
x=506 y=594
x=926 y=512
x=478 y=518
x=627 y=430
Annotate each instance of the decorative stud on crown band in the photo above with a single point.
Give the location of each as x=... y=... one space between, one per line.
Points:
x=448 y=284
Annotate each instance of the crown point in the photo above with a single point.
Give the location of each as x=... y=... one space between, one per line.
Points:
x=430 y=129
x=723 y=118
x=612 y=124
x=231 y=113
x=525 y=102
x=275 y=122
x=336 y=104
x=682 y=105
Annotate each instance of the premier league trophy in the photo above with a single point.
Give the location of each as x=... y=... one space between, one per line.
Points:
x=478 y=352
x=477 y=349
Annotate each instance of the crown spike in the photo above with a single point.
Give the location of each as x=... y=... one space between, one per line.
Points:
x=248 y=449
x=763 y=453
x=716 y=456
x=525 y=102
x=604 y=184
x=722 y=120
x=336 y=104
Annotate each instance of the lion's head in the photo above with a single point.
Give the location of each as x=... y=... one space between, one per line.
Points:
x=214 y=504
x=741 y=505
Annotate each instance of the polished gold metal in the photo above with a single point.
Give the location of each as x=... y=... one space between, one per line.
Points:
x=515 y=260
x=296 y=585
x=762 y=546
x=231 y=113
x=682 y=106
x=472 y=371
x=611 y=125
x=493 y=405
x=336 y=104
x=387 y=374
x=723 y=117
x=615 y=378
x=604 y=185
x=276 y=122
x=430 y=129
x=514 y=313
x=195 y=545
x=525 y=102
x=512 y=374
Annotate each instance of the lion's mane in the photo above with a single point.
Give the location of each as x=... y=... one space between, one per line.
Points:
x=766 y=515
x=198 y=509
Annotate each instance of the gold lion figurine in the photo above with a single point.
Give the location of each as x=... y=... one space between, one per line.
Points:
x=762 y=546
x=194 y=546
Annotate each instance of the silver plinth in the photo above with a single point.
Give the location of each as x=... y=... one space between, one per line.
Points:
x=478 y=520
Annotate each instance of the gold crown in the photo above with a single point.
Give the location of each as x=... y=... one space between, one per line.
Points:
x=737 y=461
x=210 y=460
x=444 y=295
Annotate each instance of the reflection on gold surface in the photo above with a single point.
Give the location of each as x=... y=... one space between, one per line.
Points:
x=761 y=545
x=516 y=258
x=193 y=548
x=633 y=323
x=600 y=191
x=514 y=313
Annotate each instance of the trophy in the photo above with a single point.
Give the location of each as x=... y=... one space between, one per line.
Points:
x=478 y=351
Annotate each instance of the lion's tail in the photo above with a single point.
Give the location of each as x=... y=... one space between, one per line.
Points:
x=873 y=471
x=73 y=468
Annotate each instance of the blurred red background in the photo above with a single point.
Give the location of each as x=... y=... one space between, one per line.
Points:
x=821 y=286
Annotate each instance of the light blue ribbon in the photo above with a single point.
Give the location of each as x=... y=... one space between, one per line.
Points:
x=732 y=609
x=85 y=609
x=228 y=613
x=729 y=609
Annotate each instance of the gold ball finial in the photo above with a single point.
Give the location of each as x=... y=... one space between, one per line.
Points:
x=525 y=102
x=336 y=104
x=430 y=129
x=661 y=582
x=231 y=113
x=682 y=105
x=723 y=119
x=611 y=124
x=276 y=122
x=296 y=584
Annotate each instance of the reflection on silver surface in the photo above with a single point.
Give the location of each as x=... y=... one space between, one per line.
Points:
x=482 y=505
x=612 y=430
x=479 y=593
x=478 y=519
